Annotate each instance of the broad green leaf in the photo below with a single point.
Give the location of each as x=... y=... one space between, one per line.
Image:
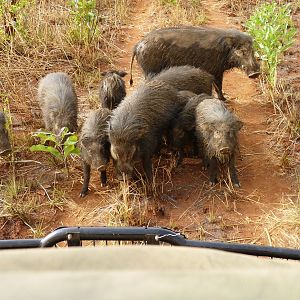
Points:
x=48 y=149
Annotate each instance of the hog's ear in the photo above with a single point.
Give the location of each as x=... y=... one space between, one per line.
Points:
x=103 y=73
x=238 y=124
x=122 y=73
x=229 y=41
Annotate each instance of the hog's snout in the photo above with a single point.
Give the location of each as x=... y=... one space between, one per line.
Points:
x=225 y=150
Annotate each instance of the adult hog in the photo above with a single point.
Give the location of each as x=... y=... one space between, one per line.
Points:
x=183 y=127
x=187 y=78
x=138 y=123
x=212 y=49
x=216 y=130
x=5 y=146
x=95 y=146
x=112 y=89
x=58 y=101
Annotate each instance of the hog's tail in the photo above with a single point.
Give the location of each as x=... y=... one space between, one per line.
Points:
x=132 y=58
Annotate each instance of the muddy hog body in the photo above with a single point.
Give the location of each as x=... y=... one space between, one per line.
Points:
x=95 y=146
x=138 y=123
x=58 y=101
x=5 y=146
x=187 y=78
x=212 y=49
x=217 y=129
x=183 y=127
x=112 y=89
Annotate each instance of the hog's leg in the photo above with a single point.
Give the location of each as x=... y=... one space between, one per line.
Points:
x=218 y=86
x=195 y=148
x=178 y=157
x=233 y=173
x=86 y=179
x=118 y=173
x=147 y=165
x=213 y=170
x=202 y=155
x=103 y=178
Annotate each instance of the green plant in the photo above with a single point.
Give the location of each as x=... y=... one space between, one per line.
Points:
x=12 y=14
x=273 y=31
x=62 y=145
x=84 y=20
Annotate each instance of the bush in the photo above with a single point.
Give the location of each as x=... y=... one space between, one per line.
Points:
x=273 y=31
x=61 y=146
x=84 y=20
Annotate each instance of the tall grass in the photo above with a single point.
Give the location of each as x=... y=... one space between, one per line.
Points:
x=178 y=12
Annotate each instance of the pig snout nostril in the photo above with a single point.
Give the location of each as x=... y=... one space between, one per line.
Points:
x=224 y=150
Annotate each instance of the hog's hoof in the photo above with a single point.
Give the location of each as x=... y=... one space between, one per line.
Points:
x=103 y=184
x=212 y=183
x=237 y=185
x=83 y=194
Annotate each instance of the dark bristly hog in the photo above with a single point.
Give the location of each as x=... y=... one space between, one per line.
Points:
x=58 y=101
x=217 y=129
x=95 y=146
x=5 y=146
x=138 y=123
x=187 y=78
x=211 y=49
x=112 y=89
x=183 y=128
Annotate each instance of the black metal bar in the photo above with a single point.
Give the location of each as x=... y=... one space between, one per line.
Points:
x=111 y=233
x=151 y=235
x=19 y=244
x=249 y=249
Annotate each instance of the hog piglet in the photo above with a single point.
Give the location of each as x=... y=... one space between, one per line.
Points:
x=95 y=146
x=58 y=102
x=5 y=146
x=183 y=128
x=112 y=89
x=217 y=133
x=138 y=123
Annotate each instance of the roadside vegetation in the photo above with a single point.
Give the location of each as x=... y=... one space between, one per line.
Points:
x=272 y=27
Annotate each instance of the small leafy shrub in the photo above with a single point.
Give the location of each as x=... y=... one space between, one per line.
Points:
x=84 y=25
x=273 y=31
x=61 y=146
x=12 y=14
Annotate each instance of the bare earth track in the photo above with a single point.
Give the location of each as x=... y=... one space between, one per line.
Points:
x=188 y=203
